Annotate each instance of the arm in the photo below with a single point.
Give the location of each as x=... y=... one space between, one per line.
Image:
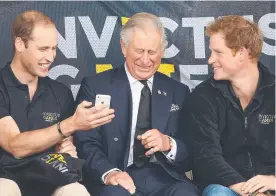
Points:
x=204 y=143
x=181 y=137
x=35 y=141
x=155 y=141
x=89 y=144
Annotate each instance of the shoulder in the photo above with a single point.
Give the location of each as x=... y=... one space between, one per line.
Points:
x=205 y=88
x=206 y=97
x=174 y=84
x=100 y=78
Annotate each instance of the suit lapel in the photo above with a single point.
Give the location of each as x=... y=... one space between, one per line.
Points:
x=161 y=103
x=120 y=96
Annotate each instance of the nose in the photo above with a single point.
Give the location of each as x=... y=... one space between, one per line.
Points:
x=51 y=55
x=212 y=59
x=145 y=58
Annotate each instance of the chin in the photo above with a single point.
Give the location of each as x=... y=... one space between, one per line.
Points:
x=42 y=75
x=217 y=77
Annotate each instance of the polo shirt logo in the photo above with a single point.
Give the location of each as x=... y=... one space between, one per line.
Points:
x=50 y=117
x=266 y=119
x=57 y=161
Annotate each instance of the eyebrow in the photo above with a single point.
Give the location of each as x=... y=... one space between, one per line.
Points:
x=216 y=50
x=47 y=46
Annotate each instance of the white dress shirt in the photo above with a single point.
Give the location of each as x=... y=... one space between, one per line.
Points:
x=136 y=88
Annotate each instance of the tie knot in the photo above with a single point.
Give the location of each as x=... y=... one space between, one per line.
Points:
x=144 y=82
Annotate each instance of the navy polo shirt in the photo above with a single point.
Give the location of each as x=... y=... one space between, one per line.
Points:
x=51 y=103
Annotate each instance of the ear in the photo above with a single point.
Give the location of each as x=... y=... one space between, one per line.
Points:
x=163 y=48
x=242 y=53
x=124 y=48
x=19 y=45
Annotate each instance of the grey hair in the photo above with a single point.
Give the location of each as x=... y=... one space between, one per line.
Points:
x=143 y=20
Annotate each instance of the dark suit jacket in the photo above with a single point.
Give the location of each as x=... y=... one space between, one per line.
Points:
x=107 y=147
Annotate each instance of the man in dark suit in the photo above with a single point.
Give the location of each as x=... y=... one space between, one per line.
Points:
x=143 y=149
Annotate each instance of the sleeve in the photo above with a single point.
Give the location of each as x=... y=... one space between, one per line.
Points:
x=106 y=173
x=89 y=143
x=209 y=165
x=182 y=160
x=3 y=107
x=172 y=153
x=68 y=106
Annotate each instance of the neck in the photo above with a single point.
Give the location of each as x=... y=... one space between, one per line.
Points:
x=22 y=74
x=246 y=83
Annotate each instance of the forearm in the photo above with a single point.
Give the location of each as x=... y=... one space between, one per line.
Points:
x=36 y=141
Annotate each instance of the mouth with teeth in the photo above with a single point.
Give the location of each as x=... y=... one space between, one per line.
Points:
x=144 y=68
x=44 y=66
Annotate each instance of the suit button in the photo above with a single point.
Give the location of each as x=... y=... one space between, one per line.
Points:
x=116 y=139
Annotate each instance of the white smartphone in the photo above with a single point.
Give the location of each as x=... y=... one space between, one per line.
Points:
x=103 y=99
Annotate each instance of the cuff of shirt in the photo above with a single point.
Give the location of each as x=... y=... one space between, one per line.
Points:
x=105 y=174
x=172 y=153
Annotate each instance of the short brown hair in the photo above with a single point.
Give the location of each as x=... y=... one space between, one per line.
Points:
x=25 y=22
x=238 y=33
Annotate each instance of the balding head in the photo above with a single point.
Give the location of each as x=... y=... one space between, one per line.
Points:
x=25 y=22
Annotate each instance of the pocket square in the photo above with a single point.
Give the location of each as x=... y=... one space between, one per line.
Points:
x=174 y=108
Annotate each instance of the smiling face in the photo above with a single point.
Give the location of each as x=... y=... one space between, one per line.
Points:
x=143 y=53
x=39 y=53
x=226 y=65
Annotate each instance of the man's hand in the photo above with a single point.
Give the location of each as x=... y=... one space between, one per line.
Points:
x=67 y=146
x=237 y=188
x=87 y=117
x=261 y=183
x=120 y=178
x=155 y=141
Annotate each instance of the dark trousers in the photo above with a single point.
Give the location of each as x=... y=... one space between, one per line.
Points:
x=150 y=180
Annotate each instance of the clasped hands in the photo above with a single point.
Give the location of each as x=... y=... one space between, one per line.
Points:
x=260 y=183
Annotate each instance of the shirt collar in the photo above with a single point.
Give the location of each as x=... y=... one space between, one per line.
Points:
x=11 y=79
x=132 y=80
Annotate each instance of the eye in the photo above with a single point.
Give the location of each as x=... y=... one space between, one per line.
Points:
x=139 y=51
x=152 y=52
x=43 y=49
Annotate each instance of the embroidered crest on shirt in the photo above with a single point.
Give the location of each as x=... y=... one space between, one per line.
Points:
x=266 y=119
x=50 y=116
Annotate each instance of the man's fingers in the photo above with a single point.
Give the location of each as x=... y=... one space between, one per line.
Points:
x=102 y=121
x=127 y=184
x=264 y=189
x=147 y=134
x=85 y=104
x=65 y=143
x=150 y=144
x=100 y=114
x=124 y=183
x=148 y=139
x=256 y=187
x=73 y=153
x=67 y=149
x=112 y=181
x=152 y=151
x=249 y=187
x=249 y=184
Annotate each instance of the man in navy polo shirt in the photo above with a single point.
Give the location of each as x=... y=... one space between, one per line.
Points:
x=37 y=113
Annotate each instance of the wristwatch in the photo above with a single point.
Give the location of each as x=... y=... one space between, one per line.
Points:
x=170 y=142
